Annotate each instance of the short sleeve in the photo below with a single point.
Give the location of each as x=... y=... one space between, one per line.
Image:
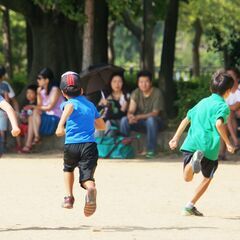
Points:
x=135 y=95
x=223 y=112
x=63 y=104
x=190 y=113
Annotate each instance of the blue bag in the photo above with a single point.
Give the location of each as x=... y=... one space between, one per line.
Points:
x=114 y=147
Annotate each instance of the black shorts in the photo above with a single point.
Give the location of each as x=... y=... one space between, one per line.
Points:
x=81 y=155
x=208 y=166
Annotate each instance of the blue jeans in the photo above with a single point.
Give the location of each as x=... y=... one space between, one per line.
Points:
x=150 y=125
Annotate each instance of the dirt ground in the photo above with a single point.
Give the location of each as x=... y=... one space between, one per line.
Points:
x=137 y=199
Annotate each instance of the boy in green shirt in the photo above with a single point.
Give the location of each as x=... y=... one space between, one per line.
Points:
x=201 y=146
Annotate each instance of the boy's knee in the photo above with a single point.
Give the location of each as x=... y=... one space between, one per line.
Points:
x=187 y=178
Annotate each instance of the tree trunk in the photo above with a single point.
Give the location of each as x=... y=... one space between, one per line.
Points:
x=88 y=39
x=228 y=58
x=55 y=44
x=166 y=82
x=7 y=50
x=100 y=46
x=195 y=47
x=111 y=50
x=147 y=41
x=29 y=47
x=136 y=31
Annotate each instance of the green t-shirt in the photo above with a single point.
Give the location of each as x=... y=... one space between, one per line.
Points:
x=203 y=134
x=154 y=102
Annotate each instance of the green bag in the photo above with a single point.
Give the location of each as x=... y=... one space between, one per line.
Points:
x=114 y=147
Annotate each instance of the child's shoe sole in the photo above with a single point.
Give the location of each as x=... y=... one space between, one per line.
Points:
x=90 y=202
x=196 y=161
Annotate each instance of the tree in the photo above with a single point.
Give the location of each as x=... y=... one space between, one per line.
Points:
x=195 y=47
x=219 y=21
x=55 y=38
x=140 y=18
x=7 y=49
x=88 y=32
x=166 y=82
x=100 y=46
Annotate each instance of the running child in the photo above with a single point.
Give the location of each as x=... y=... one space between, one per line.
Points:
x=201 y=146
x=80 y=149
x=5 y=106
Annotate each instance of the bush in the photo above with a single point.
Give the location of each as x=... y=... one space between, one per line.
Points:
x=190 y=93
x=19 y=81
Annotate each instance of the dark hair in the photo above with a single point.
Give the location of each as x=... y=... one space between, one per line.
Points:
x=2 y=71
x=221 y=82
x=32 y=87
x=120 y=74
x=144 y=73
x=47 y=73
x=72 y=91
x=235 y=70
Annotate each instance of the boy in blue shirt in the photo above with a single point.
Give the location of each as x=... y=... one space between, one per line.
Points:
x=80 y=150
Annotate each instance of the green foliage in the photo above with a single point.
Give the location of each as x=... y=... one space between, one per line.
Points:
x=190 y=93
x=220 y=21
x=126 y=47
x=73 y=9
x=18 y=40
x=18 y=82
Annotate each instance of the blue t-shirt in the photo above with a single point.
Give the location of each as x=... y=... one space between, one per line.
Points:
x=1 y=98
x=80 y=124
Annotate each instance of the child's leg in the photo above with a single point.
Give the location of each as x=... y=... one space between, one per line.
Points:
x=69 y=181
x=188 y=173
x=208 y=169
x=201 y=189
x=90 y=201
x=70 y=162
x=87 y=166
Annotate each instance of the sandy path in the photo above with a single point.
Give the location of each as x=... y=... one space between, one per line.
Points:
x=136 y=200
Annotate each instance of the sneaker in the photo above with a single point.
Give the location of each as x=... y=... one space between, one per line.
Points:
x=68 y=202
x=191 y=211
x=196 y=161
x=151 y=154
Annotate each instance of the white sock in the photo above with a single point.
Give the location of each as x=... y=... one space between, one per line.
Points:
x=189 y=205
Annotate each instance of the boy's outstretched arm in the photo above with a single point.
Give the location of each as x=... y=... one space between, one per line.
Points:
x=68 y=109
x=4 y=105
x=100 y=124
x=222 y=129
x=174 y=141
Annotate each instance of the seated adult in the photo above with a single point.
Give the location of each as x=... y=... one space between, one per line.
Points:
x=146 y=104
x=114 y=104
x=46 y=114
x=233 y=100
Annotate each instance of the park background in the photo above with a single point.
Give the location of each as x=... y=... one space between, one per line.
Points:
x=181 y=41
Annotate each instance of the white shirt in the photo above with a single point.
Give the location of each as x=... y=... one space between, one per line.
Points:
x=233 y=97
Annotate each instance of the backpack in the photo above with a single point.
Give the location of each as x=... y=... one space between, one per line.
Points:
x=115 y=147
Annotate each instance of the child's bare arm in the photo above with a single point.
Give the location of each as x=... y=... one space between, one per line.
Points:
x=4 y=105
x=100 y=124
x=174 y=141
x=222 y=129
x=68 y=109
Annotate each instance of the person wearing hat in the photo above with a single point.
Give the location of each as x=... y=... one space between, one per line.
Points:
x=80 y=150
